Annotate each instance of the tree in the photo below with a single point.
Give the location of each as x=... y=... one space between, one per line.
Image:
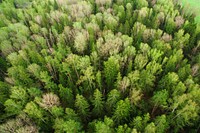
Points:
x=123 y=129
x=168 y=81
x=69 y=126
x=47 y=79
x=66 y=95
x=19 y=94
x=87 y=79
x=4 y=95
x=80 y=41
x=159 y=99
x=140 y=123
x=105 y=126
x=98 y=103
x=21 y=76
x=122 y=111
x=161 y=123
x=170 y=25
x=71 y=114
x=140 y=61
x=112 y=99
x=110 y=21
x=150 y=128
x=146 y=81
x=34 y=111
x=12 y=107
x=82 y=106
x=19 y=124
x=135 y=96
x=185 y=111
x=49 y=100
x=111 y=69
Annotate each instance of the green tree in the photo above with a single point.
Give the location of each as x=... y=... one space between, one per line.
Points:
x=159 y=99
x=140 y=123
x=123 y=129
x=71 y=114
x=105 y=126
x=34 y=111
x=66 y=95
x=161 y=124
x=122 y=111
x=150 y=128
x=112 y=99
x=98 y=103
x=12 y=107
x=111 y=69
x=69 y=126
x=82 y=106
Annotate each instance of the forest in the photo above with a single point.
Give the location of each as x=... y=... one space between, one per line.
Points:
x=99 y=66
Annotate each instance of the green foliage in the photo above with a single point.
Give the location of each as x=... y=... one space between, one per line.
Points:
x=33 y=110
x=69 y=126
x=113 y=98
x=4 y=95
x=82 y=106
x=98 y=103
x=161 y=124
x=160 y=98
x=105 y=126
x=122 y=111
x=111 y=70
x=12 y=107
x=71 y=114
x=98 y=66
x=66 y=95
x=150 y=128
x=123 y=129
x=140 y=123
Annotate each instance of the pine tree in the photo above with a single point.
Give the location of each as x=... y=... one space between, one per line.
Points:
x=122 y=111
x=98 y=103
x=71 y=115
x=111 y=69
x=159 y=99
x=66 y=96
x=82 y=107
x=161 y=123
x=140 y=123
x=123 y=129
x=112 y=99
x=150 y=128
x=105 y=126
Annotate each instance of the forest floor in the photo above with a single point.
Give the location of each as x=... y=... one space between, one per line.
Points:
x=194 y=5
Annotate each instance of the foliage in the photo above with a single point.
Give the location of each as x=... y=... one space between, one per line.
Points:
x=98 y=66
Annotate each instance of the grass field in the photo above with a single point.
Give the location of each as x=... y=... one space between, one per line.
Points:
x=193 y=5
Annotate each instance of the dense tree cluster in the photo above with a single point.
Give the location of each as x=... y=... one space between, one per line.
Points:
x=104 y=66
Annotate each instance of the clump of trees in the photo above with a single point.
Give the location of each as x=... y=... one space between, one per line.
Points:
x=104 y=66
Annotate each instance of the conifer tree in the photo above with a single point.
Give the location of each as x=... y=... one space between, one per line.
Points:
x=98 y=103
x=111 y=70
x=82 y=106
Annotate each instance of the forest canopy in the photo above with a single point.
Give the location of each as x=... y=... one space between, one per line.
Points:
x=99 y=66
